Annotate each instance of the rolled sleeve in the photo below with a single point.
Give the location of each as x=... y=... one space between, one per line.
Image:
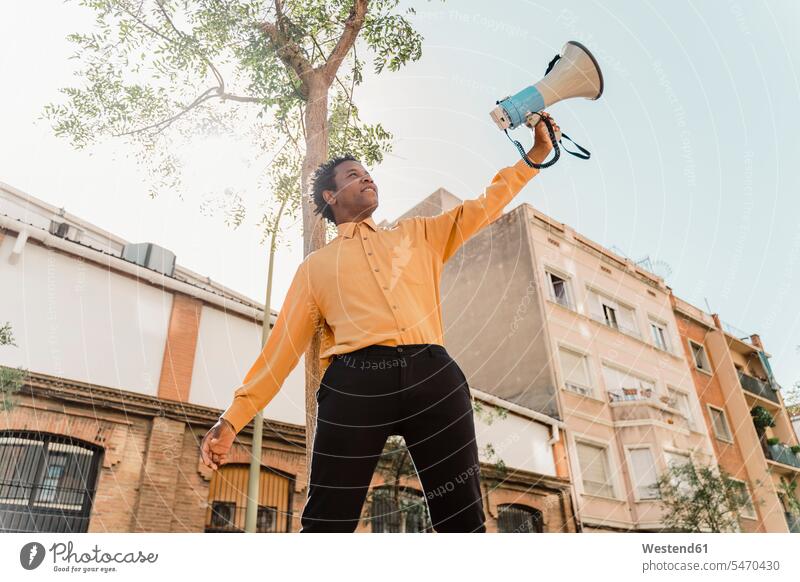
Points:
x=288 y=340
x=448 y=231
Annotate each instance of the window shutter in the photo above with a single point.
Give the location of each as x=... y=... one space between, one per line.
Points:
x=574 y=367
x=592 y=460
x=643 y=472
x=720 y=426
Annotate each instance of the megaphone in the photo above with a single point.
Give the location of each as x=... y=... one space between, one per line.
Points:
x=573 y=72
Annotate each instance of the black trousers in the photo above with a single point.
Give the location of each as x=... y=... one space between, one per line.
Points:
x=413 y=390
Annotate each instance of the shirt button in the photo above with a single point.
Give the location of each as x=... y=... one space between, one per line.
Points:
x=376 y=269
x=364 y=238
x=369 y=252
x=395 y=306
x=402 y=329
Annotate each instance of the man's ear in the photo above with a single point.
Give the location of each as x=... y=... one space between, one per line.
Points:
x=329 y=196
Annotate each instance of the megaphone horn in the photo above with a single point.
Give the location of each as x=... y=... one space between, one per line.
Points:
x=572 y=73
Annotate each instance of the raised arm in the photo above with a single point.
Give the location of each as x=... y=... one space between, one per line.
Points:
x=448 y=231
x=287 y=341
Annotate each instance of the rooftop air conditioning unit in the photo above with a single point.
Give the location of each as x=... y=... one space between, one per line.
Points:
x=150 y=256
x=65 y=230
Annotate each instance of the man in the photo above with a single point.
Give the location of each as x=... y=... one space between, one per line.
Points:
x=374 y=293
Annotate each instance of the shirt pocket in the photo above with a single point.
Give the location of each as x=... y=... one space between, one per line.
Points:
x=414 y=273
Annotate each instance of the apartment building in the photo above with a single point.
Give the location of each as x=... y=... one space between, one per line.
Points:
x=744 y=410
x=131 y=357
x=542 y=316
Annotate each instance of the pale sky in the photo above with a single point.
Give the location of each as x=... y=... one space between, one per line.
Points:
x=694 y=144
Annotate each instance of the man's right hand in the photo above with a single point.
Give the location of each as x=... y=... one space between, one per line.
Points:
x=542 y=146
x=217 y=443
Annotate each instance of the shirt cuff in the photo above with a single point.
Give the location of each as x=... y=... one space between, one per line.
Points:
x=523 y=170
x=238 y=418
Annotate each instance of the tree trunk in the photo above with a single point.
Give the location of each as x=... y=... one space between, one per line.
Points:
x=316 y=122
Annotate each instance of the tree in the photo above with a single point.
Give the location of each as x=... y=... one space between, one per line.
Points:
x=165 y=69
x=10 y=378
x=700 y=499
x=788 y=489
x=392 y=501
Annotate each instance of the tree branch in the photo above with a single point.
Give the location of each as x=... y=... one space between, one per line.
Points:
x=193 y=41
x=211 y=93
x=287 y=50
x=352 y=27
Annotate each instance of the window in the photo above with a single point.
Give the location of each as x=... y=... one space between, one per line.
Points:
x=266 y=519
x=575 y=368
x=622 y=385
x=610 y=316
x=677 y=460
x=721 y=428
x=515 y=518
x=643 y=473
x=700 y=358
x=747 y=508
x=660 y=335
x=613 y=314
x=398 y=512
x=680 y=401
x=593 y=462
x=223 y=514
x=560 y=291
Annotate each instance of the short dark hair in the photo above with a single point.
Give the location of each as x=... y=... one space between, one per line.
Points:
x=323 y=180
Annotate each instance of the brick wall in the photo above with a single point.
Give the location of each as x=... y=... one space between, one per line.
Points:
x=152 y=479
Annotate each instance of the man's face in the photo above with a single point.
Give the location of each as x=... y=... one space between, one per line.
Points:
x=356 y=195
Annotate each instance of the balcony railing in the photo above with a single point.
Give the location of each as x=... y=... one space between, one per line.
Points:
x=627 y=394
x=756 y=386
x=783 y=454
x=618 y=326
x=793 y=521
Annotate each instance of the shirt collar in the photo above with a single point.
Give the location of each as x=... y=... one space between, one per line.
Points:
x=347 y=229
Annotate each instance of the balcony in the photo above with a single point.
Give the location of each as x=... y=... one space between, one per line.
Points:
x=757 y=387
x=627 y=406
x=780 y=453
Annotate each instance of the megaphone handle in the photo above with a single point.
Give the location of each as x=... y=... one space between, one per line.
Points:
x=553 y=140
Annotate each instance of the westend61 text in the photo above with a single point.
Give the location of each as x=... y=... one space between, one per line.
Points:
x=672 y=549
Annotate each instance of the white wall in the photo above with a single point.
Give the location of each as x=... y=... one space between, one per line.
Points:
x=520 y=442
x=227 y=346
x=76 y=320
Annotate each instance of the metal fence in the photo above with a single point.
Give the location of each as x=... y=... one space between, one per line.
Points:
x=756 y=386
x=398 y=511
x=519 y=519
x=47 y=482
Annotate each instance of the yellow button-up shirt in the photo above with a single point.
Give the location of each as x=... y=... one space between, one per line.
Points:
x=369 y=286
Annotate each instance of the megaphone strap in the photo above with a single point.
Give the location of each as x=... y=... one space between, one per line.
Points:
x=552 y=64
x=584 y=154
